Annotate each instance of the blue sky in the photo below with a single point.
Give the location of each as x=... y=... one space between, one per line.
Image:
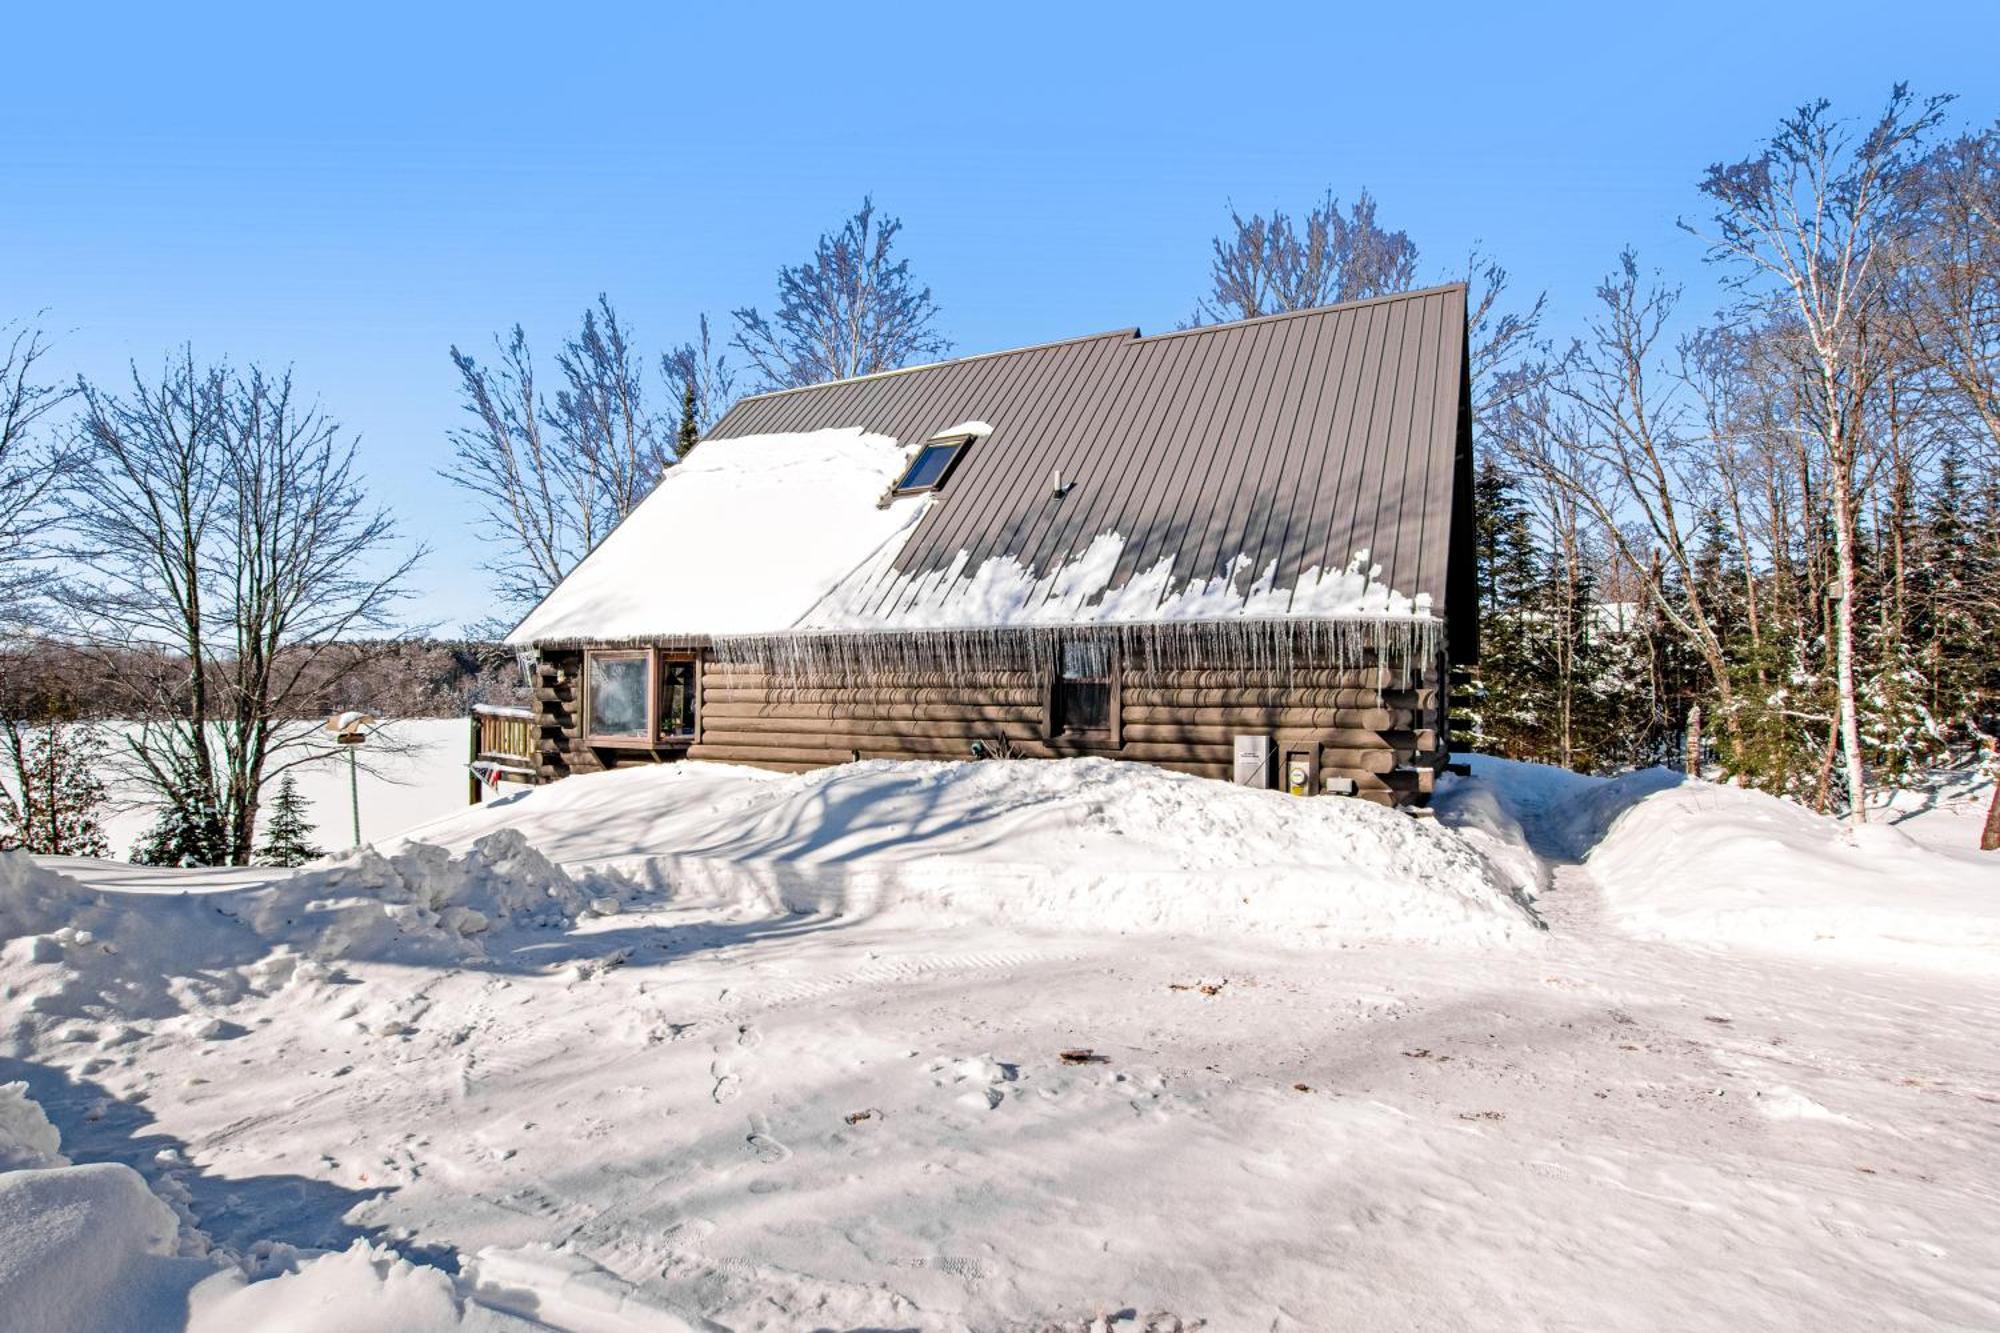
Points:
x=353 y=189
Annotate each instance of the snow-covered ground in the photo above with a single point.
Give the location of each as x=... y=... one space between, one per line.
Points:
x=1017 y=1046
x=419 y=777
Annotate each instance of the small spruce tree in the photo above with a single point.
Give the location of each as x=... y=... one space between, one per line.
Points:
x=288 y=837
x=689 y=434
x=188 y=831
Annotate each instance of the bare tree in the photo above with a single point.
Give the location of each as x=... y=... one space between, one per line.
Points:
x=1608 y=429
x=29 y=463
x=1270 y=265
x=217 y=521
x=553 y=477
x=1948 y=300
x=849 y=310
x=1810 y=216
x=601 y=418
x=707 y=385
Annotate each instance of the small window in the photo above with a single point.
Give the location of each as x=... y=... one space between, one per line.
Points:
x=677 y=695
x=618 y=697
x=1082 y=700
x=931 y=466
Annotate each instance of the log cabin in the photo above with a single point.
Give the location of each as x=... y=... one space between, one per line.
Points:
x=1240 y=550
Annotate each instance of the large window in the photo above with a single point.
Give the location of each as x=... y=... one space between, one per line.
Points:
x=640 y=699
x=1084 y=701
x=618 y=704
x=932 y=465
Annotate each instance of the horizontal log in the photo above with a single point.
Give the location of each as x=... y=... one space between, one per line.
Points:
x=748 y=677
x=1175 y=696
x=892 y=728
x=819 y=714
x=1267 y=719
x=1350 y=738
x=977 y=694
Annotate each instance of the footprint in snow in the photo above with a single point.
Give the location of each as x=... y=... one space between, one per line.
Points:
x=769 y=1151
x=727 y=1084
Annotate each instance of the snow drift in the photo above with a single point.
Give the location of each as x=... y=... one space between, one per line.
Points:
x=1083 y=844
x=95 y=953
x=1697 y=861
x=1710 y=864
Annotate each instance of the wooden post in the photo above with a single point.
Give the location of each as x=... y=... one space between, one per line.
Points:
x=472 y=778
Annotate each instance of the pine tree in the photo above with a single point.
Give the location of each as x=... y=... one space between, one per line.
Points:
x=58 y=798
x=189 y=829
x=689 y=434
x=1501 y=717
x=288 y=837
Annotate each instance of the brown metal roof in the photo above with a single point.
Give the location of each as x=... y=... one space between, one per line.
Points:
x=1300 y=438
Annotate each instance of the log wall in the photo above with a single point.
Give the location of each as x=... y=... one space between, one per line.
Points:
x=1369 y=728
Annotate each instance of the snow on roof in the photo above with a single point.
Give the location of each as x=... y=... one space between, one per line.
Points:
x=745 y=537
x=773 y=534
x=1002 y=592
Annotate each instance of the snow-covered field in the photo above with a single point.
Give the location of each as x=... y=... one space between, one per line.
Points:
x=1018 y=1046
x=419 y=777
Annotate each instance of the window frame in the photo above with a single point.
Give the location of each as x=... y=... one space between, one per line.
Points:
x=958 y=444
x=678 y=740
x=1111 y=736
x=613 y=741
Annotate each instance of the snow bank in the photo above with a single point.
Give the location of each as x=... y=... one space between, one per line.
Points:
x=91 y=1249
x=99 y=953
x=1712 y=864
x=363 y=1289
x=88 y=1248
x=1084 y=844
x=1696 y=861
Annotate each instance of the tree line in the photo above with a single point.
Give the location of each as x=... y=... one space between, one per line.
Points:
x=1762 y=541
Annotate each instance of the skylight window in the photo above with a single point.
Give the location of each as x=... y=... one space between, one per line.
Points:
x=932 y=465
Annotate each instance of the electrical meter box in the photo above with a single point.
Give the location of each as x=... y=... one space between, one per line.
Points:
x=1298 y=772
x=1253 y=761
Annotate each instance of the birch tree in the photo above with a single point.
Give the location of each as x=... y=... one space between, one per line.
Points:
x=851 y=309
x=1810 y=217
x=554 y=472
x=1272 y=265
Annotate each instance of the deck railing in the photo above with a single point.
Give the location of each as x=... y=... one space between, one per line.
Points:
x=503 y=746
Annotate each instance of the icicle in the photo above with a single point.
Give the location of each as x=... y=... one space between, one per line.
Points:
x=1405 y=645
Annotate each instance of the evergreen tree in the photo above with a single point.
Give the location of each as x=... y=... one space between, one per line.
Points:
x=288 y=836
x=1501 y=716
x=689 y=434
x=57 y=797
x=189 y=829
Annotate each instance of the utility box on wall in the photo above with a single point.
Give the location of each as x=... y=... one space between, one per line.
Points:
x=1253 y=761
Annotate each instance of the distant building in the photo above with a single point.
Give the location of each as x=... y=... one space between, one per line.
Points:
x=1144 y=548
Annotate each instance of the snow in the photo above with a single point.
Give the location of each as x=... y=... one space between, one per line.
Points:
x=1002 y=592
x=820 y=498
x=1029 y=1074
x=1763 y=874
x=1085 y=844
x=812 y=499
x=411 y=770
